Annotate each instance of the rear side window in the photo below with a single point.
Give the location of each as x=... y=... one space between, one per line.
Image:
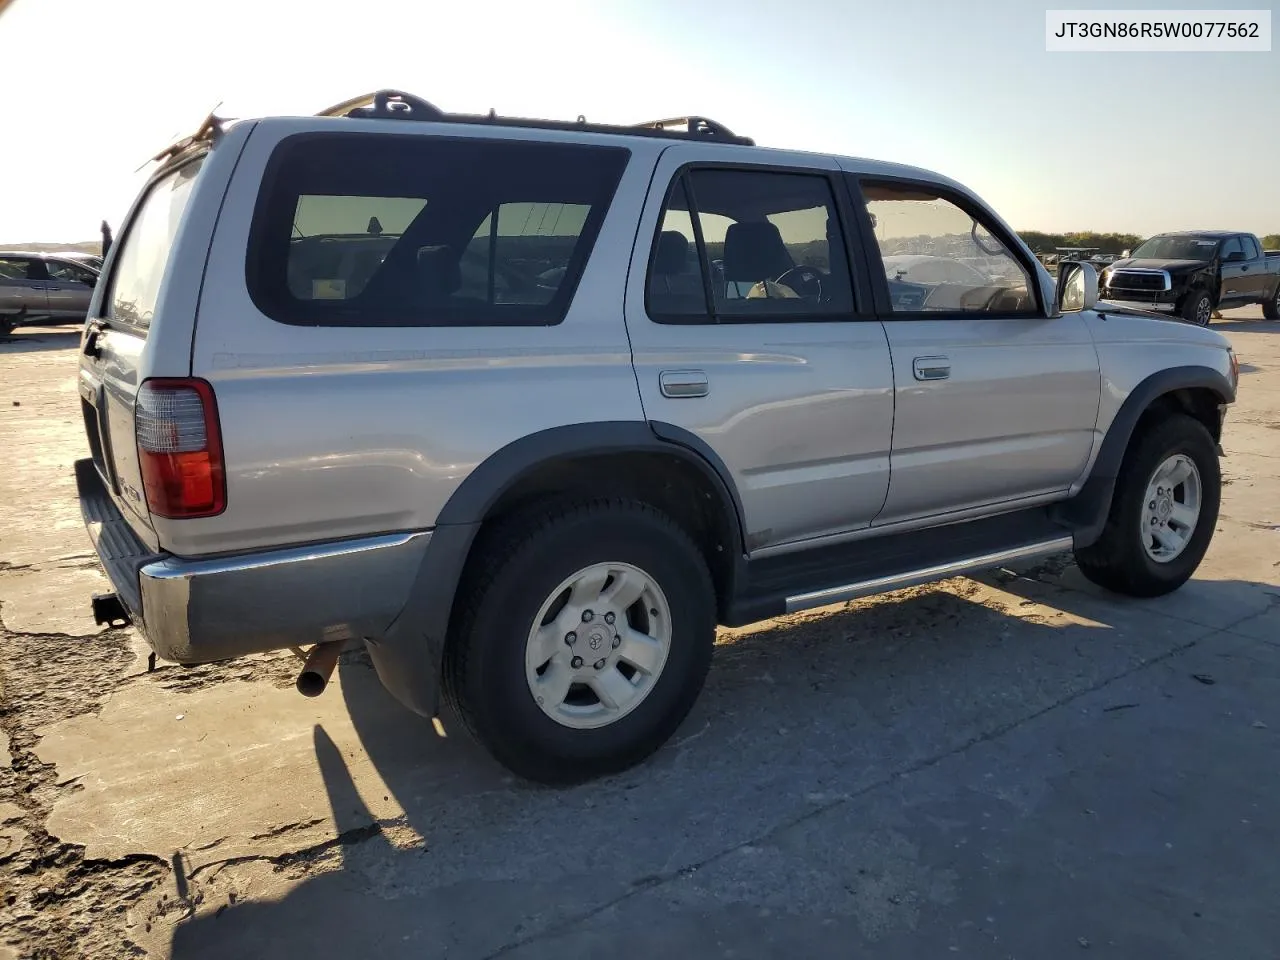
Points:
x=360 y=230
x=144 y=248
x=15 y=268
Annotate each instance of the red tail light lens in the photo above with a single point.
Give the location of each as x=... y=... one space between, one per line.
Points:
x=180 y=448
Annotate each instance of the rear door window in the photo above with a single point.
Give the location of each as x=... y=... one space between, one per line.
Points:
x=14 y=268
x=144 y=249
x=354 y=230
x=765 y=243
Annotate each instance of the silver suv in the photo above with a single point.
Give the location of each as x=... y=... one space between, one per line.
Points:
x=44 y=288
x=528 y=407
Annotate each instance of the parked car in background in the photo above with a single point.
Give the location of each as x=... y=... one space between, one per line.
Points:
x=528 y=445
x=1196 y=273
x=43 y=288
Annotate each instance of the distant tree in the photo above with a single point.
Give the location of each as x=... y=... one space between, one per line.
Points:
x=1271 y=241
x=1040 y=242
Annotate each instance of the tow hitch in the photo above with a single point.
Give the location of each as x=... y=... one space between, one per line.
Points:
x=110 y=610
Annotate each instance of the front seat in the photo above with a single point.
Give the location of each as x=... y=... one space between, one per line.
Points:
x=754 y=252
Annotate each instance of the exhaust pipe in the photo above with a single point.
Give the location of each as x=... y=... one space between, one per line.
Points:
x=321 y=660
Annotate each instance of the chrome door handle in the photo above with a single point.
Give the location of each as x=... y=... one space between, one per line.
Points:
x=683 y=383
x=931 y=368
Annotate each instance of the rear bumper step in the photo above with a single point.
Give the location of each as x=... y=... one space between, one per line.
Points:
x=205 y=610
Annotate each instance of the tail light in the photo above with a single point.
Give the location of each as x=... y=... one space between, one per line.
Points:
x=180 y=448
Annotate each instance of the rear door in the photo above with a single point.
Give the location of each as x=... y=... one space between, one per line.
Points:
x=70 y=288
x=996 y=403
x=751 y=337
x=115 y=352
x=21 y=294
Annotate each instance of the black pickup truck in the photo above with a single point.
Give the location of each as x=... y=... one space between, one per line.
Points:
x=1195 y=274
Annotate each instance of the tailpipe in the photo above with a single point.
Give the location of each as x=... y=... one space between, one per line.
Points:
x=321 y=660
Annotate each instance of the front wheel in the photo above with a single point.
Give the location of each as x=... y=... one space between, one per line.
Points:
x=1271 y=309
x=1198 y=308
x=1163 y=512
x=584 y=639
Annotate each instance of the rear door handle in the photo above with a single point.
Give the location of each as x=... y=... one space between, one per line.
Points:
x=683 y=383
x=931 y=368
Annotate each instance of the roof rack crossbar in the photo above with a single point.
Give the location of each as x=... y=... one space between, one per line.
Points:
x=397 y=105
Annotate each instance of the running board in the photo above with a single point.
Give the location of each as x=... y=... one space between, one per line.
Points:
x=911 y=578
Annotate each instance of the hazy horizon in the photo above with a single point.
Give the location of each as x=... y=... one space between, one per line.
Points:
x=968 y=92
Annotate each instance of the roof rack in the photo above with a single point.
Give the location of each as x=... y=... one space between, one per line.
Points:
x=397 y=105
x=699 y=126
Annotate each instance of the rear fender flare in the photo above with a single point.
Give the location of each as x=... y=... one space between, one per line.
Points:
x=408 y=657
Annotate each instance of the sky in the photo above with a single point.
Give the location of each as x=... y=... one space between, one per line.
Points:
x=1126 y=142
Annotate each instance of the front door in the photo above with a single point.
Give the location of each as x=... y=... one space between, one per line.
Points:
x=747 y=338
x=996 y=403
x=1236 y=282
x=70 y=288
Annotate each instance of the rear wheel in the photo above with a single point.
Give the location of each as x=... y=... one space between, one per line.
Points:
x=1198 y=308
x=1163 y=512
x=584 y=638
x=1271 y=309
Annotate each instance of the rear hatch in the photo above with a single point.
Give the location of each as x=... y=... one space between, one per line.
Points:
x=117 y=349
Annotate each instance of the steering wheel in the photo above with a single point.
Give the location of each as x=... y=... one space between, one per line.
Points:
x=810 y=280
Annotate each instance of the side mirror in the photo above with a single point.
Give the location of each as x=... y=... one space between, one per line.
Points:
x=1077 y=288
x=1234 y=256
x=1125 y=254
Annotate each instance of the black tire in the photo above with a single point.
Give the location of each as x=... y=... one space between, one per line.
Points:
x=6 y=327
x=1271 y=309
x=518 y=567
x=1118 y=561
x=1198 y=308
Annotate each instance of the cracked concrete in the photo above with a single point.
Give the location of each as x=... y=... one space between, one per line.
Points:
x=1017 y=765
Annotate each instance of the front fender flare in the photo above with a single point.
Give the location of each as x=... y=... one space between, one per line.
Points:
x=1087 y=512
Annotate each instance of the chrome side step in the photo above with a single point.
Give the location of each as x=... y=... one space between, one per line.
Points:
x=911 y=578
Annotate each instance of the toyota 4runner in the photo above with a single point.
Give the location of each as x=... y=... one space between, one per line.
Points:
x=529 y=407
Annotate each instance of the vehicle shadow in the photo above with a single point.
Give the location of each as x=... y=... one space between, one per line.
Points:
x=40 y=339
x=824 y=705
x=1246 y=325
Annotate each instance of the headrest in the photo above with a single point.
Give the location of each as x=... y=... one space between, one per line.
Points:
x=439 y=273
x=672 y=254
x=754 y=251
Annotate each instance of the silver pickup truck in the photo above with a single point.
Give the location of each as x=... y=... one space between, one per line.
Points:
x=528 y=407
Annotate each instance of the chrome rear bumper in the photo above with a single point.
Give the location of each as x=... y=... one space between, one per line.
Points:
x=204 y=610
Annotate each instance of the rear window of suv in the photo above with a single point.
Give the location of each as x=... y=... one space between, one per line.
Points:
x=144 y=249
x=390 y=230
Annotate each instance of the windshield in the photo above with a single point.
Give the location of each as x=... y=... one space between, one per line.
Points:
x=1176 y=248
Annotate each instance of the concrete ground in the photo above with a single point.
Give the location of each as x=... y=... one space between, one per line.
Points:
x=1017 y=766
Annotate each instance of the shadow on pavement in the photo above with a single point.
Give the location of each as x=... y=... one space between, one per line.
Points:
x=40 y=339
x=1246 y=325
x=796 y=718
